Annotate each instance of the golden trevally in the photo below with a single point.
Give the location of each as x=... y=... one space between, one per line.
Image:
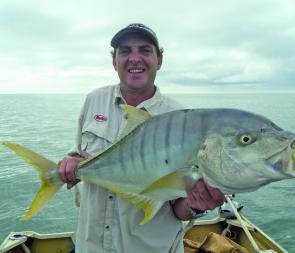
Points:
x=159 y=157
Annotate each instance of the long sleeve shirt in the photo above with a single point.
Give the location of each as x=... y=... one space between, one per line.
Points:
x=108 y=224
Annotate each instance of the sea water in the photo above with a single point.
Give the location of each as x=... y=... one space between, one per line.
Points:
x=47 y=124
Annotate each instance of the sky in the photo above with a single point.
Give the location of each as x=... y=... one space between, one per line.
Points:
x=63 y=46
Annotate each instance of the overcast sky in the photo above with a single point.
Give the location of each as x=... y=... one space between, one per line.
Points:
x=210 y=46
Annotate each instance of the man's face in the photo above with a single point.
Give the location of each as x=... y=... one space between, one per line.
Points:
x=136 y=62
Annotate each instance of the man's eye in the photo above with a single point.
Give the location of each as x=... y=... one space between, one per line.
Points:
x=146 y=50
x=124 y=51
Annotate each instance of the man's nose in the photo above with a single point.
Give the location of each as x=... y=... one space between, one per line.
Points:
x=134 y=57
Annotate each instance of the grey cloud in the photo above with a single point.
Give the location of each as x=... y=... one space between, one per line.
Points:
x=30 y=34
x=26 y=24
x=192 y=79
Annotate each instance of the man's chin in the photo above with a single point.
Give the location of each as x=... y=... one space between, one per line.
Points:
x=136 y=85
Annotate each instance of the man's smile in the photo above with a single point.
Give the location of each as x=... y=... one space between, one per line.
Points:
x=135 y=70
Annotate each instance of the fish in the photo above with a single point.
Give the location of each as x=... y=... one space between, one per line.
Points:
x=158 y=158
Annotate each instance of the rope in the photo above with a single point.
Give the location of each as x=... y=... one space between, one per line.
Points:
x=251 y=239
x=25 y=248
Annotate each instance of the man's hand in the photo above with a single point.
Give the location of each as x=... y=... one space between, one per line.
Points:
x=68 y=170
x=201 y=197
x=204 y=197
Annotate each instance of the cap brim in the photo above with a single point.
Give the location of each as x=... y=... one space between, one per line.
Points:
x=116 y=40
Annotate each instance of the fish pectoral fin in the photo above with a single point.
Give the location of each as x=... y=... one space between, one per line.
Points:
x=135 y=115
x=44 y=167
x=176 y=180
x=149 y=206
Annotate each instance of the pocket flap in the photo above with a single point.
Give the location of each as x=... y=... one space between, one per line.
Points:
x=100 y=129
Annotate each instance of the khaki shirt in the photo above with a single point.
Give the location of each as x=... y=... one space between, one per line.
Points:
x=107 y=223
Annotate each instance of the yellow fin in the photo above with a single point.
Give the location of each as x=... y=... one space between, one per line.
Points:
x=44 y=194
x=149 y=206
x=39 y=162
x=178 y=179
x=44 y=167
x=135 y=115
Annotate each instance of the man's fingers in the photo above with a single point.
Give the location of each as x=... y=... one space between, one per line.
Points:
x=70 y=170
x=67 y=170
x=216 y=194
x=202 y=191
x=62 y=170
x=204 y=197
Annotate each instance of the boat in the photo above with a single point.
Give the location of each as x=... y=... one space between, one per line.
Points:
x=230 y=228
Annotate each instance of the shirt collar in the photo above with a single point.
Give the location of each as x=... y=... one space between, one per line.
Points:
x=118 y=98
x=156 y=98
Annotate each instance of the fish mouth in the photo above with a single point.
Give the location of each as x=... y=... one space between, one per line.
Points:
x=282 y=162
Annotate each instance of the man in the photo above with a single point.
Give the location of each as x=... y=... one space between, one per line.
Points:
x=106 y=222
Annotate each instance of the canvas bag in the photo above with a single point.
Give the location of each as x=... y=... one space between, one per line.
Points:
x=213 y=243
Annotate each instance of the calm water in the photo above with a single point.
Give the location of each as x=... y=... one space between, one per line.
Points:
x=46 y=123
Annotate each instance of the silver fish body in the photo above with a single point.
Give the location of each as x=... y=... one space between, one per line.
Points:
x=233 y=150
x=159 y=158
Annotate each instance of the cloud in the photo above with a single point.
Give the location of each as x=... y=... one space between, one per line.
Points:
x=213 y=43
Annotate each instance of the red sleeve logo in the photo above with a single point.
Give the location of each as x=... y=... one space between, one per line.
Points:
x=100 y=118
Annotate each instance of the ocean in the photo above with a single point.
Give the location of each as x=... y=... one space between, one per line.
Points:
x=47 y=124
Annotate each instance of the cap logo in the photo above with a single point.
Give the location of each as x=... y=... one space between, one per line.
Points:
x=100 y=118
x=139 y=26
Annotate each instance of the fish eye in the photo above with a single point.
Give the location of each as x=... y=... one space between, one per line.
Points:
x=246 y=139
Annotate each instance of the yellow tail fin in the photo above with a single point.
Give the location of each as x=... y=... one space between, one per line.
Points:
x=44 y=167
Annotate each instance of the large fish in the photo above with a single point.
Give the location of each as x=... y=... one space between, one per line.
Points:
x=159 y=158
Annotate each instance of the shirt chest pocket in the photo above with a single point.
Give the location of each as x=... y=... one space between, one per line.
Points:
x=96 y=137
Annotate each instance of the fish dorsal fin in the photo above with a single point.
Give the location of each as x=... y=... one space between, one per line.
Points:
x=135 y=116
x=177 y=180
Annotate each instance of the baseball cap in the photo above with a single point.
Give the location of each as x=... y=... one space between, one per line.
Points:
x=135 y=28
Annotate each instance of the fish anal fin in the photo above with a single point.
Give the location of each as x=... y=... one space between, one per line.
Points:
x=135 y=115
x=149 y=206
x=178 y=180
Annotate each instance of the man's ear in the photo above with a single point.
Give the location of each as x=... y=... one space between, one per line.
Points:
x=160 y=61
x=114 y=62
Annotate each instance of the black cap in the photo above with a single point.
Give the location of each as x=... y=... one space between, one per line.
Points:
x=135 y=28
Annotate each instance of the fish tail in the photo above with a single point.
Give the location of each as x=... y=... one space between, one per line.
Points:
x=50 y=183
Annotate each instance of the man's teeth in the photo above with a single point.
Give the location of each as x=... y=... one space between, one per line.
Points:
x=135 y=70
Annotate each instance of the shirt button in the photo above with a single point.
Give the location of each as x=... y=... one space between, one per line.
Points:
x=107 y=227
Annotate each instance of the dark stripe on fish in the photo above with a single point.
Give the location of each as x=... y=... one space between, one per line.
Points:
x=142 y=147
x=168 y=136
x=155 y=134
x=183 y=127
